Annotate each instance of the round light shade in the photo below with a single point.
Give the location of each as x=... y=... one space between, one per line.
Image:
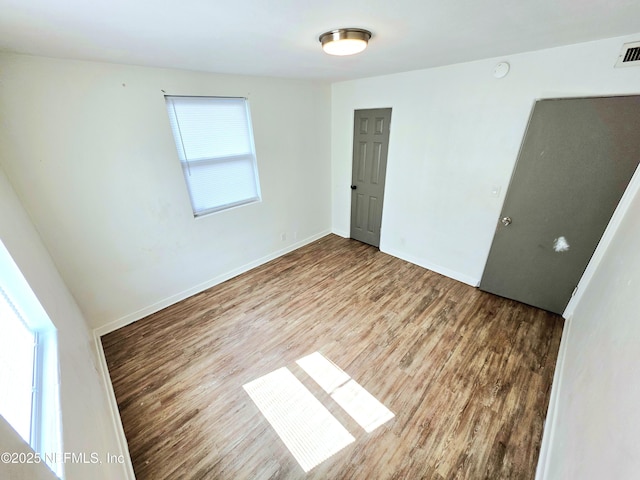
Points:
x=345 y=41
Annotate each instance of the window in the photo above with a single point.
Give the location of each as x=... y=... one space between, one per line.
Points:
x=17 y=344
x=29 y=393
x=215 y=144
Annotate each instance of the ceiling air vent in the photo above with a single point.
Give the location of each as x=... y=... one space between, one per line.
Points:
x=630 y=55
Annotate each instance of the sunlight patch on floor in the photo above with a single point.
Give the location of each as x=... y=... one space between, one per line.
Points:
x=363 y=407
x=305 y=426
x=325 y=373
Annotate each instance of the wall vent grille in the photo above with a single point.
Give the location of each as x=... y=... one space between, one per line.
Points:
x=630 y=55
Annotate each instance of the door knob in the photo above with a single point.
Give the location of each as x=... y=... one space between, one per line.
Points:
x=353 y=187
x=506 y=221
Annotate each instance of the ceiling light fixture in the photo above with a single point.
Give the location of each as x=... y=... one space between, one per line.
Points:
x=345 y=41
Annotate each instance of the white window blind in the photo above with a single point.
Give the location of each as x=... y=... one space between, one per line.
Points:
x=214 y=140
x=17 y=352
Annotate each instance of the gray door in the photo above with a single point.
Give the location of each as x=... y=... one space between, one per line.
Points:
x=576 y=160
x=370 y=146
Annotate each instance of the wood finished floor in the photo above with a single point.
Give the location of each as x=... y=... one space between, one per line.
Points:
x=467 y=374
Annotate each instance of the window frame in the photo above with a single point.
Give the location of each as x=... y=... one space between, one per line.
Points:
x=45 y=434
x=187 y=163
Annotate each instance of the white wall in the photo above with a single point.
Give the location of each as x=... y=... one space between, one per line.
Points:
x=595 y=434
x=94 y=164
x=89 y=150
x=12 y=442
x=86 y=421
x=455 y=135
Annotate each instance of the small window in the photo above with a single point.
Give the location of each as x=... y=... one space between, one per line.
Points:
x=17 y=361
x=215 y=144
x=29 y=397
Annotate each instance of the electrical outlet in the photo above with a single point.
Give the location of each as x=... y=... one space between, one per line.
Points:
x=283 y=236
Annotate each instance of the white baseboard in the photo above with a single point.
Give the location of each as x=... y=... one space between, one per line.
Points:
x=146 y=311
x=126 y=320
x=461 y=277
x=550 y=421
x=447 y=272
x=103 y=370
x=548 y=433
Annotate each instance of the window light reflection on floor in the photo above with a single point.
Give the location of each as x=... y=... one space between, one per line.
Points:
x=310 y=432
x=363 y=407
x=305 y=426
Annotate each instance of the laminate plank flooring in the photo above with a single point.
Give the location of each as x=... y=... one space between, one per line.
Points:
x=467 y=374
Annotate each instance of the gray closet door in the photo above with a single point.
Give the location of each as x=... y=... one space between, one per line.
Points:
x=370 y=146
x=576 y=160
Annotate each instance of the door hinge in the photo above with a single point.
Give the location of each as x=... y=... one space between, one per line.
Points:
x=574 y=291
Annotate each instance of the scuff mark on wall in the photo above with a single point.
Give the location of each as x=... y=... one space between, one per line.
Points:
x=560 y=244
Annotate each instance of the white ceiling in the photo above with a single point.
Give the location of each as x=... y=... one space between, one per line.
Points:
x=280 y=37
